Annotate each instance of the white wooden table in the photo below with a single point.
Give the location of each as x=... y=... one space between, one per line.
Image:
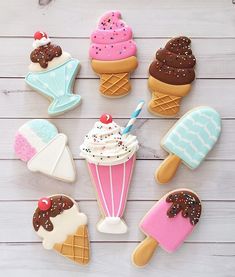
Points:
x=210 y=251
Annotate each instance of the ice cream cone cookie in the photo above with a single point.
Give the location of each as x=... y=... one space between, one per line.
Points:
x=38 y=143
x=189 y=141
x=62 y=227
x=171 y=75
x=168 y=223
x=113 y=54
x=52 y=74
x=110 y=152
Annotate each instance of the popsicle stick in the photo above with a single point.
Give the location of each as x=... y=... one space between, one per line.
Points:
x=167 y=169
x=144 y=251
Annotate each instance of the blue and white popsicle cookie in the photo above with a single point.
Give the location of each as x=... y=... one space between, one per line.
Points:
x=189 y=141
x=38 y=143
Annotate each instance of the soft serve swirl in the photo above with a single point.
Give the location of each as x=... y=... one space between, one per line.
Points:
x=105 y=144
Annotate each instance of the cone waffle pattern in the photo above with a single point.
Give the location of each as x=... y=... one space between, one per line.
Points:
x=76 y=246
x=115 y=85
x=165 y=104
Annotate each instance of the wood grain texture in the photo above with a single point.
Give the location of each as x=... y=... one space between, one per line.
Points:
x=210 y=251
x=148 y=18
x=210 y=260
x=19 y=101
x=215 y=57
x=149 y=133
x=212 y=181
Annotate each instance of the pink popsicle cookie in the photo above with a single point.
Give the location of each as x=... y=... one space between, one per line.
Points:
x=113 y=54
x=168 y=223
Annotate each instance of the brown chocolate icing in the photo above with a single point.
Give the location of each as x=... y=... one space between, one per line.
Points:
x=45 y=54
x=59 y=203
x=187 y=202
x=175 y=63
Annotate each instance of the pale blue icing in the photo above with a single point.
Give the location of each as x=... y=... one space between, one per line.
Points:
x=57 y=84
x=194 y=135
x=43 y=128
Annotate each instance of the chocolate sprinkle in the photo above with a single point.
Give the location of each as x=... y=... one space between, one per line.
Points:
x=175 y=63
x=45 y=54
x=186 y=202
x=59 y=203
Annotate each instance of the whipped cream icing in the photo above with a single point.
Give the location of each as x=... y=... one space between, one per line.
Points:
x=105 y=144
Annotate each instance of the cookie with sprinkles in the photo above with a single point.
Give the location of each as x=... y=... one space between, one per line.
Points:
x=167 y=224
x=52 y=73
x=62 y=227
x=171 y=75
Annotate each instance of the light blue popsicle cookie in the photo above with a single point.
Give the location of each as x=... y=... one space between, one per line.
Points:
x=189 y=141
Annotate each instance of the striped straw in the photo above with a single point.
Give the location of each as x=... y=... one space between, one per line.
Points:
x=133 y=118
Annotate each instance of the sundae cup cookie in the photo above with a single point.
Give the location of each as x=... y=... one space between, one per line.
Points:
x=113 y=54
x=171 y=75
x=38 y=143
x=52 y=74
x=62 y=227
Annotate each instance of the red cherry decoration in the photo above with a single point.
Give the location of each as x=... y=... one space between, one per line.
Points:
x=39 y=35
x=106 y=118
x=44 y=203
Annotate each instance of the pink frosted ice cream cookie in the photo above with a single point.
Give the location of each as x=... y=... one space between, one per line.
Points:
x=113 y=54
x=168 y=223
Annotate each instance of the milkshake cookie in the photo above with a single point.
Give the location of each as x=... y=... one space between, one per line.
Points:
x=62 y=227
x=52 y=74
x=168 y=223
x=171 y=75
x=38 y=143
x=189 y=141
x=110 y=152
x=113 y=54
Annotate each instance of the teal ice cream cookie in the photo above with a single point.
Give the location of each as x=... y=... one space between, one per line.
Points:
x=52 y=74
x=189 y=141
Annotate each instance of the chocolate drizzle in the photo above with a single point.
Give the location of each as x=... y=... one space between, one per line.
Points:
x=175 y=63
x=59 y=203
x=45 y=54
x=187 y=202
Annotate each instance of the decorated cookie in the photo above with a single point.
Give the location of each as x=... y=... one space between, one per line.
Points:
x=168 y=223
x=45 y=150
x=171 y=75
x=52 y=74
x=110 y=152
x=113 y=54
x=189 y=141
x=62 y=227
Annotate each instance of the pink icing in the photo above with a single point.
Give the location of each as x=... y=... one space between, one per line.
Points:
x=169 y=232
x=112 y=185
x=23 y=149
x=112 y=40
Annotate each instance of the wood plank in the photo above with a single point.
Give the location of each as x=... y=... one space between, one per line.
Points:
x=148 y=131
x=217 y=223
x=19 y=101
x=215 y=57
x=200 y=18
x=212 y=181
x=211 y=260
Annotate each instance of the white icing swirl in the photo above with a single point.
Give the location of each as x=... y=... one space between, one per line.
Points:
x=105 y=145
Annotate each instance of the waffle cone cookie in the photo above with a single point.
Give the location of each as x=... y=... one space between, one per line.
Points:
x=171 y=75
x=112 y=54
x=76 y=246
x=62 y=227
x=166 y=98
x=114 y=76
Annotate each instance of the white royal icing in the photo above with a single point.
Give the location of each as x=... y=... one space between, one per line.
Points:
x=105 y=145
x=64 y=224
